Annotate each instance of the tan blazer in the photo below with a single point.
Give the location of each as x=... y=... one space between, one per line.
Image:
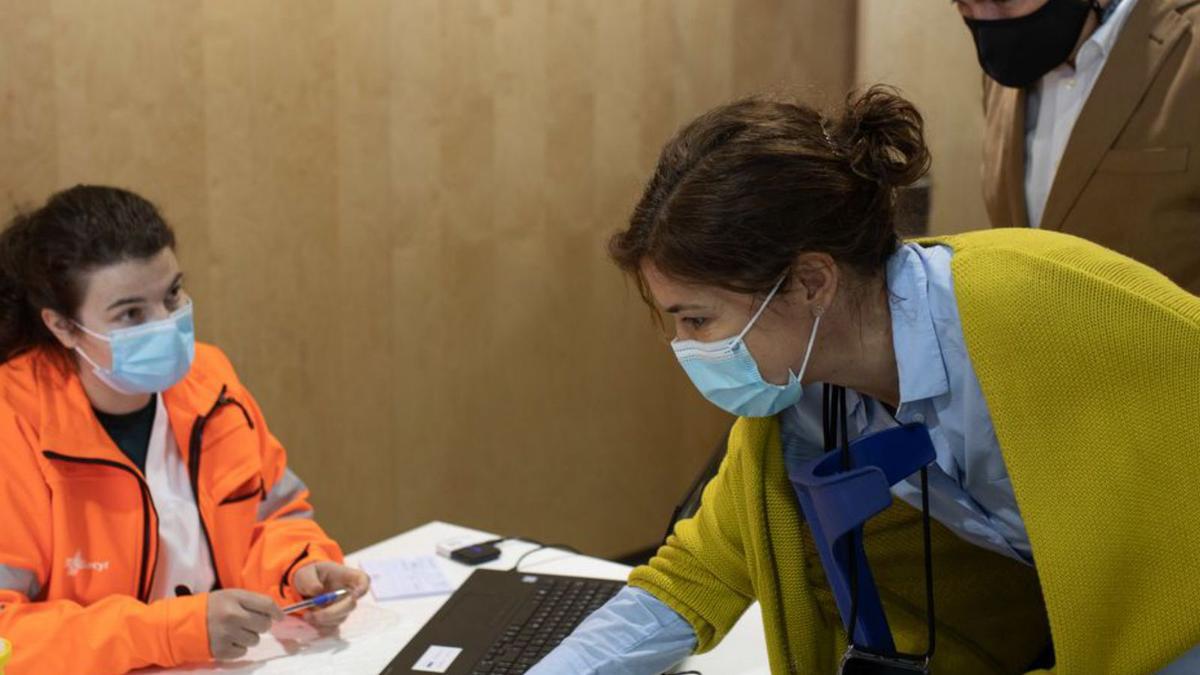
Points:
x=1130 y=175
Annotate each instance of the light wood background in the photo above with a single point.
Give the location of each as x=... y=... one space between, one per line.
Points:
x=393 y=217
x=923 y=48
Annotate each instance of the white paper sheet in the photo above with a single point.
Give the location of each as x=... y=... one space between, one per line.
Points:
x=407 y=577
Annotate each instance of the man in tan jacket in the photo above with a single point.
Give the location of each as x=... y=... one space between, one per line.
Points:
x=1093 y=122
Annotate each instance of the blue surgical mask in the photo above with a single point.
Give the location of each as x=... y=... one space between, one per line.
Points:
x=726 y=373
x=150 y=358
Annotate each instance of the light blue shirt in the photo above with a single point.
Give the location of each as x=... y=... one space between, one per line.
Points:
x=633 y=634
x=969 y=487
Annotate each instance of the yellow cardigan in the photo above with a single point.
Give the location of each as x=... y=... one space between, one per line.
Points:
x=1090 y=363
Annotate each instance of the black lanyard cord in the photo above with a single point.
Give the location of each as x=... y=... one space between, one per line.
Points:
x=931 y=626
x=842 y=434
x=837 y=435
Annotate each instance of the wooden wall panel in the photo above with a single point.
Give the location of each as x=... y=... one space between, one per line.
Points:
x=393 y=217
x=924 y=49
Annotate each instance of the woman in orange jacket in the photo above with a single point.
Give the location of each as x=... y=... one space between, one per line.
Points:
x=149 y=517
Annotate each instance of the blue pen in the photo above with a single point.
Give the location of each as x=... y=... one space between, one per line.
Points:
x=322 y=600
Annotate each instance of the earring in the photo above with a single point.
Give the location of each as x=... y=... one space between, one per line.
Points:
x=818 y=311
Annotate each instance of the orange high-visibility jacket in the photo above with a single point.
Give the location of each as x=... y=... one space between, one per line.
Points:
x=79 y=532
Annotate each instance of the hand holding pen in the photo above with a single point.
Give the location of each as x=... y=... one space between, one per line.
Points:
x=319 y=601
x=319 y=579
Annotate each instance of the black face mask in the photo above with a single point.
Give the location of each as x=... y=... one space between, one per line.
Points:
x=1018 y=52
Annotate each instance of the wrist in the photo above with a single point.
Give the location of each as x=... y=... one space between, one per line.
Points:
x=186 y=627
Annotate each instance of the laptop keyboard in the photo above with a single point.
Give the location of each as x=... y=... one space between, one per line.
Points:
x=546 y=619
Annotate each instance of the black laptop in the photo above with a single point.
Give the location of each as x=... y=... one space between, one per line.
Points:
x=502 y=623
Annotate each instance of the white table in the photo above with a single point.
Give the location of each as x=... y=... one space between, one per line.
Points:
x=377 y=631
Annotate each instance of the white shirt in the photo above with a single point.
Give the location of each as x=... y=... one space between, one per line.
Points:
x=1052 y=106
x=183 y=555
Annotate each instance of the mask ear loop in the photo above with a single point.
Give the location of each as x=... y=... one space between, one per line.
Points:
x=818 y=311
x=87 y=358
x=102 y=373
x=79 y=350
x=92 y=333
x=762 y=308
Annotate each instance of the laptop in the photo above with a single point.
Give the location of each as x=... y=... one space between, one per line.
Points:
x=501 y=622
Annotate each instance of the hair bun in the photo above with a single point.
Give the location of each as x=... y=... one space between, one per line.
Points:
x=884 y=136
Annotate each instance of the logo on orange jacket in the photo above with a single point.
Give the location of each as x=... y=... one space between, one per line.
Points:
x=76 y=564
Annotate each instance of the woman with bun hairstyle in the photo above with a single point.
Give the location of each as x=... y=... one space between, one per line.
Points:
x=1059 y=384
x=147 y=514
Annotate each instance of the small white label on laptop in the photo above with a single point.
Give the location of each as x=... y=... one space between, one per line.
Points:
x=437 y=659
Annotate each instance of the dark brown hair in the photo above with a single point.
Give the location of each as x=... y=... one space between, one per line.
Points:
x=44 y=255
x=747 y=186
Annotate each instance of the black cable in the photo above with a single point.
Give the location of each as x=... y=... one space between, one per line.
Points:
x=687 y=672
x=848 y=464
x=493 y=542
x=931 y=623
x=836 y=419
x=837 y=437
x=826 y=414
x=542 y=547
